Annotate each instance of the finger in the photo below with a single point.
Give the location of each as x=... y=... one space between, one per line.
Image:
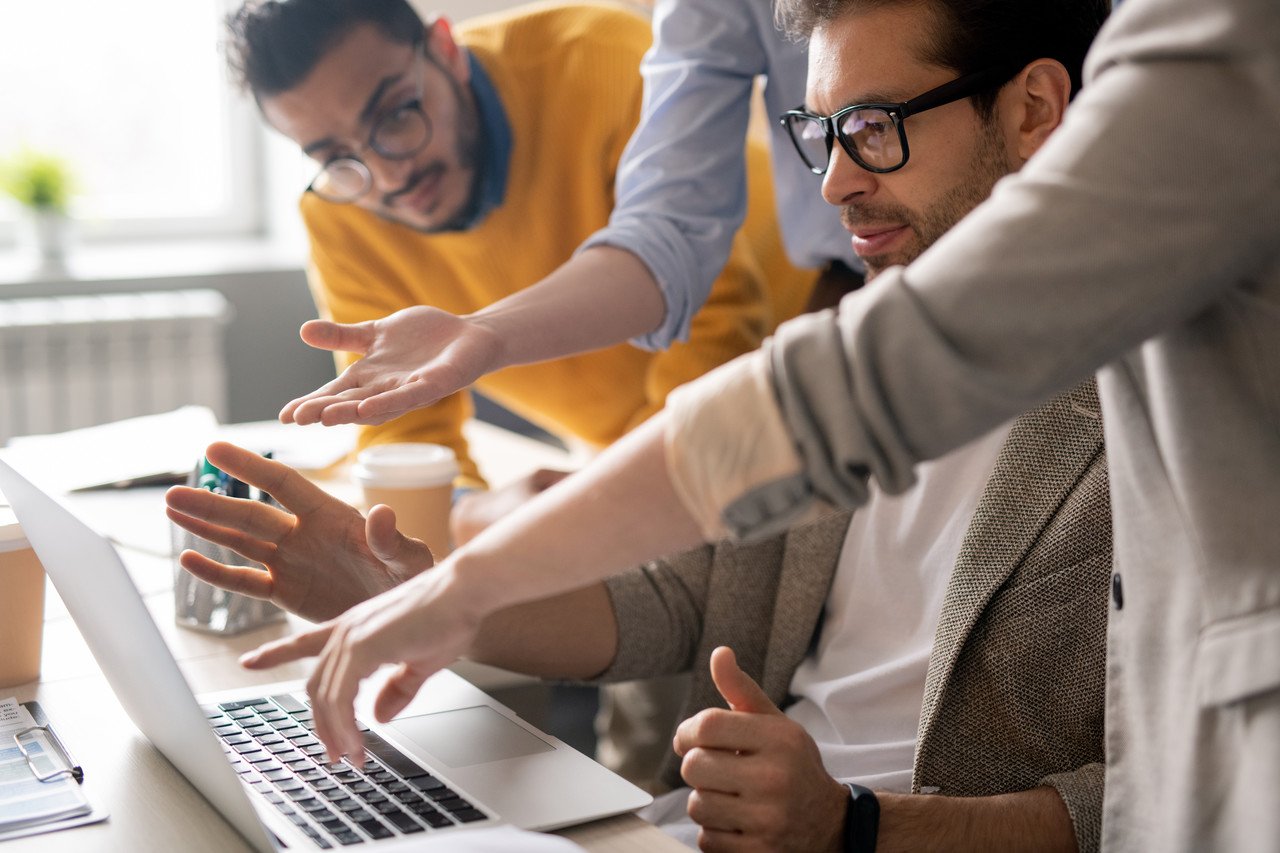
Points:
x=738 y=689
x=250 y=518
x=340 y=383
x=338 y=337
x=716 y=728
x=252 y=549
x=347 y=412
x=312 y=411
x=404 y=398
x=402 y=555
x=342 y=670
x=241 y=579
x=716 y=811
x=293 y=491
x=724 y=841
x=304 y=645
x=713 y=770
x=398 y=692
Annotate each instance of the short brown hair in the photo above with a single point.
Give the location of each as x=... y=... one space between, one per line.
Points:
x=971 y=35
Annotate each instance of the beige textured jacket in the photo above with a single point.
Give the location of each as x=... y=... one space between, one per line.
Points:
x=1014 y=696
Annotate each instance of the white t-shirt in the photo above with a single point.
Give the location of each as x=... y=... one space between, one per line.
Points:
x=859 y=694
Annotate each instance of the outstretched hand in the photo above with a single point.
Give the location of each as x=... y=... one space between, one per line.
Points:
x=321 y=556
x=412 y=358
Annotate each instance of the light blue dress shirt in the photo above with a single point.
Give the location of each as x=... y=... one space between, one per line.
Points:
x=681 y=190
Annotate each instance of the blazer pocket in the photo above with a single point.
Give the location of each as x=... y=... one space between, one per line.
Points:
x=1238 y=658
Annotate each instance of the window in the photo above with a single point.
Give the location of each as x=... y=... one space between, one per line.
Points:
x=134 y=94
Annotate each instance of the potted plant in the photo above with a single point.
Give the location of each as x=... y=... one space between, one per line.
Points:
x=42 y=183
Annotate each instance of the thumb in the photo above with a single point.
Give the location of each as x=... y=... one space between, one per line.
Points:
x=738 y=689
x=325 y=334
x=402 y=555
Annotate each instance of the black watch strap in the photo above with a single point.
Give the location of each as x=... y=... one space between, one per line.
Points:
x=861 y=820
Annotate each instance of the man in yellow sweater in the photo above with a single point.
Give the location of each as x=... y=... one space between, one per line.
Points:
x=460 y=166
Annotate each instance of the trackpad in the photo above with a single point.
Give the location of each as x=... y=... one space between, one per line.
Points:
x=470 y=736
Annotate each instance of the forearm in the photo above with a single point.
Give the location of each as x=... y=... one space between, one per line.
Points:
x=616 y=514
x=600 y=297
x=569 y=636
x=1027 y=820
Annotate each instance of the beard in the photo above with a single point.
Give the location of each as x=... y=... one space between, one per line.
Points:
x=990 y=162
x=467 y=148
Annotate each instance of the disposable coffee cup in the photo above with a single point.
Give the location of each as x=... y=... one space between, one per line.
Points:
x=21 y=605
x=415 y=480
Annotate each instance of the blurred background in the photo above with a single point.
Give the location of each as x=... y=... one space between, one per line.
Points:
x=130 y=166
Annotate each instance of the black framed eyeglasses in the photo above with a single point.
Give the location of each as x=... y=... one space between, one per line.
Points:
x=873 y=135
x=397 y=135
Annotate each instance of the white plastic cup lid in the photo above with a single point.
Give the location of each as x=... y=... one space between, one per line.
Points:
x=405 y=466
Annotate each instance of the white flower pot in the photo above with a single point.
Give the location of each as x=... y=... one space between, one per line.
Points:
x=50 y=237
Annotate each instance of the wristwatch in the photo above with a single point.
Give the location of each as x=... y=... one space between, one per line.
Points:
x=861 y=820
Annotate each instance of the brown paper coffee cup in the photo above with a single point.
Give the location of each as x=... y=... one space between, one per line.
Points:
x=21 y=605
x=415 y=480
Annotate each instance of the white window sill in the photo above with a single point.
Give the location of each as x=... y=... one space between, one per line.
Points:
x=153 y=260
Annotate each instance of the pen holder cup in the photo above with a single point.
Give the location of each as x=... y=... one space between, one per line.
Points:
x=204 y=607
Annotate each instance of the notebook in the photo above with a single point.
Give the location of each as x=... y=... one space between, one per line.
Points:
x=455 y=759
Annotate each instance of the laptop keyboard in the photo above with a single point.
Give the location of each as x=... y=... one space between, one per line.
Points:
x=271 y=745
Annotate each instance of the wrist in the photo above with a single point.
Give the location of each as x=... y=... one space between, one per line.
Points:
x=471 y=596
x=490 y=325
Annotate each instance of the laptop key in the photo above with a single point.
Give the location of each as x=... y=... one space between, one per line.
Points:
x=347 y=837
x=403 y=822
x=470 y=815
x=289 y=703
x=425 y=782
x=386 y=807
x=375 y=829
x=435 y=820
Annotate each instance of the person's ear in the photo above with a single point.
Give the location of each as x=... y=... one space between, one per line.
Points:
x=1042 y=91
x=445 y=50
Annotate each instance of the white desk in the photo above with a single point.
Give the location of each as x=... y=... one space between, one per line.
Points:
x=153 y=808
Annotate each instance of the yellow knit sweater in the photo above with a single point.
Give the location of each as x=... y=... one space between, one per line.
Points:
x=568 y=78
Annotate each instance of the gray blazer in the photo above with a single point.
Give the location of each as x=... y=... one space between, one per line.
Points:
x=1014 y=696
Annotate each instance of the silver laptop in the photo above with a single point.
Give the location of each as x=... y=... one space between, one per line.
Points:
x=454 y=759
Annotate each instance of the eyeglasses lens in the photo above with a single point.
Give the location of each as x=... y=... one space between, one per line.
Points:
x=810 y=137
x=874 y=136
x=402 y=132
x=341 y=181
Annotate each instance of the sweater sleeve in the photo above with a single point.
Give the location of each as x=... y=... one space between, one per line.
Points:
x=1081 y=792
x=659 y=609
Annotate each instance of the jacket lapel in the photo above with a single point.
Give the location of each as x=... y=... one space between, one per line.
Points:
x=1046 y=453
x=808 y=566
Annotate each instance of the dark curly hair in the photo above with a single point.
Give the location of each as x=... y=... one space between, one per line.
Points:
x=272 y=45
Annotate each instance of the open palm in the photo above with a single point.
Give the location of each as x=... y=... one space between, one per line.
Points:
x=411 y=359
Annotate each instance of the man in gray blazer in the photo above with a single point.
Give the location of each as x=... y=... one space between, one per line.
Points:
x=982 y=684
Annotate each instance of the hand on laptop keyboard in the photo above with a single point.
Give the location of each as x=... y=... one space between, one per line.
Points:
x=423 y=625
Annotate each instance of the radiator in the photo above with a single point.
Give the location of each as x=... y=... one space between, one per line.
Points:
x=79 y=361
